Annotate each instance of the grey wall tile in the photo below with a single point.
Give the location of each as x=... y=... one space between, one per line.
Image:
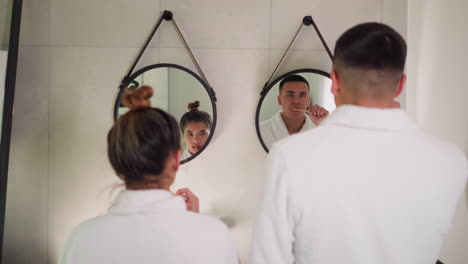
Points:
x=110 y=23
x=218 y=24
x=32 y=83
x=25 y=238
x=35 y=23
x=332 y=18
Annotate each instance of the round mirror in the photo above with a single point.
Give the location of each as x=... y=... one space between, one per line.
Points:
x=183 y=94
x=294 y=102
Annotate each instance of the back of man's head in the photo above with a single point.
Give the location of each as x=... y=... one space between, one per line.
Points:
x=369 y=59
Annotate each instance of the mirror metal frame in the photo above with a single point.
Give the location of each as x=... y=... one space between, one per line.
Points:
x=267 y=88
x=208 y=89
x=10 y=82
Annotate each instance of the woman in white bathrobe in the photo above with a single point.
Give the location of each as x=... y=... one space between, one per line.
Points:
x=147 y=222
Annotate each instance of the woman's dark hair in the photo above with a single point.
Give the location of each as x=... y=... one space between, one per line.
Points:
x=195 y=115
x=140 y=143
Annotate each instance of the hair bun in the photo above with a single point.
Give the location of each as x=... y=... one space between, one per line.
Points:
x=144 y=92
x=194 y=106
x=138 y=98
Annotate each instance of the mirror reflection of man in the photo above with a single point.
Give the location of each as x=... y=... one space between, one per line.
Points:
x=297 y=115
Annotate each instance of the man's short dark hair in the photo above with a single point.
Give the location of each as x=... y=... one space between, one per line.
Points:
x=371 y=47
x=140 y=143
x=292 y=78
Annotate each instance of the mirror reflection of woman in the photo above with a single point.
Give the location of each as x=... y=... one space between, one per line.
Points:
x=147 y=223
x=196 y=127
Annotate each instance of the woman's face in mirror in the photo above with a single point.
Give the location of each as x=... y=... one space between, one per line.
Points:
x=195 y=136
x=174 y=91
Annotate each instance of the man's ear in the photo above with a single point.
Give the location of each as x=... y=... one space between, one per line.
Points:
x=401 y=85
x=279 y=100
x=336 y=84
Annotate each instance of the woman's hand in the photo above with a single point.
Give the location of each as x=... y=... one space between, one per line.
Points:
x=191 y=201
x=137 y=98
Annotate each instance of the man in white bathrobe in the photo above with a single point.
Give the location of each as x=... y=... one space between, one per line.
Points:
x=294 y=99
x=367 y=186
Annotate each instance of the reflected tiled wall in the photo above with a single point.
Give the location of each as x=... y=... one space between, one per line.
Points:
x=72 y=58
x=5 y=15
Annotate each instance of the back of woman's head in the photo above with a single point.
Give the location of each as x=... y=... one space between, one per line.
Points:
x=140 y=143
x=195 y=115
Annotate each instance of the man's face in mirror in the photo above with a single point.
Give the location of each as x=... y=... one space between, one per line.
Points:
x=294 y=95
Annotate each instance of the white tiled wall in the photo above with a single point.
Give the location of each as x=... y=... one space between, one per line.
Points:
x=105 y=23
x=25 y=238
x=72 y=58
x=25 y=233
x=332 y=17
x=438 y=38
x=219 y=24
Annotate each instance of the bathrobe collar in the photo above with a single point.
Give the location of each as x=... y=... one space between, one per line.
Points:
x=370 y=118
x=146 y=201
x=281 y=131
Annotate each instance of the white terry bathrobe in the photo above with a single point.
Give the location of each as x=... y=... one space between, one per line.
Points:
x=150 y=226
x=275 y=129
x=186 y=154
x=365 y=187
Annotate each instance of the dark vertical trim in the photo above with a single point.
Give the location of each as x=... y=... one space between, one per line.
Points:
x=50 y=54
x=10 y=80
x=270 y=34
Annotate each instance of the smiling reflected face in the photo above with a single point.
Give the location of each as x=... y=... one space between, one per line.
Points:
x=195 y=136
x=294 y=95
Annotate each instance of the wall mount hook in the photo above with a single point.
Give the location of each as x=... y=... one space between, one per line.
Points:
x=306 y=21
x=167 y=15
